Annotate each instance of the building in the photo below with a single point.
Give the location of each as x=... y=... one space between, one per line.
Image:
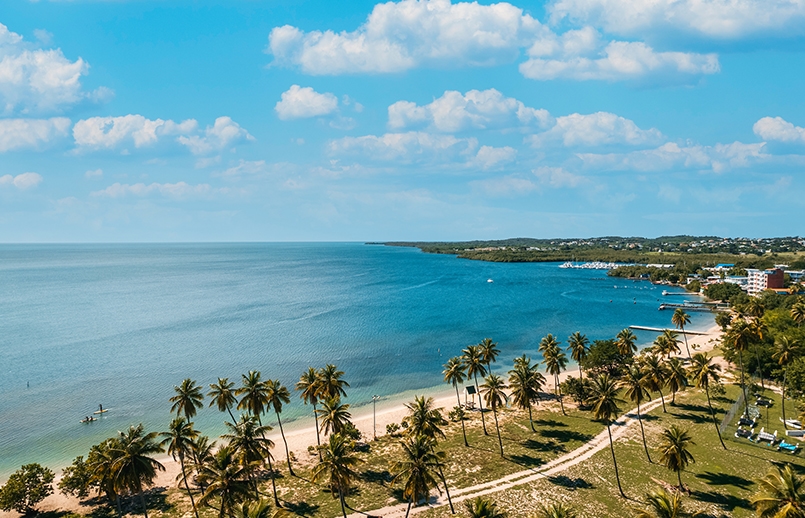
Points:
x=759 y=280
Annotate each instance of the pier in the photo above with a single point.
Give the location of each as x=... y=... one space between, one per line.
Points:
x=662 y=330
x=694 y=306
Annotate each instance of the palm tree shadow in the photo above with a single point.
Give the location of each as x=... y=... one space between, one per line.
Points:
x=546 y=446
x=550 y=422
x=376 y=477
x=570 y=483
x=566 y=435
x=727 y=502
x=302 y=508
x=694 y=418
x=724 y=479
x=526 y=460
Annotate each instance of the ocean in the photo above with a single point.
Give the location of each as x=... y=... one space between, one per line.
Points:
x=120 y=325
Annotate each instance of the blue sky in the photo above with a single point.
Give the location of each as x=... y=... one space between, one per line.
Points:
x=247 y=120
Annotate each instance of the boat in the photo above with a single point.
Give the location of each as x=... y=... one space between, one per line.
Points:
x=89 y=419
x=489 y=280
x=101 y=410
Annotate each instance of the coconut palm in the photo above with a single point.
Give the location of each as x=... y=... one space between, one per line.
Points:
x=704 y=373
x=247 y=438
x=334 y=415
x=674 y=448
x=474 y=364
x=492 y=390
x=134 y=467
x=222 y=394
x=556 y=510
x=665 y=505
x=178 y=442
x=680 y=319
x=626 y=342
x=423 y=419
x=480 y=507
x=331 y=385
x=227 y=481
x=739 y=336
x=489 y=352
x=579 y=347
x=100 y=461
x=798 y=311
x=785 y=350
x=604 y=401
x=677 y=377
x=634 y=385
x=667 y=343
x=188 y=399
x=525 y=382
x=454 y=374
x=656 y=375
x=277 y=395
x=417 y=469
x=309 y=385
x=257 y=509
x=337 y=467
x=203 y=449
x=555 y=362
x=780 y=494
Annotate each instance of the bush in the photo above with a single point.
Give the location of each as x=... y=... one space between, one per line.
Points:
x=604 y=357
x=25 y=488
x=351 y=432
x=311 y=450
x=457 y=414
x=693 y=286
x=722 y=291
x=76 y=479
x=392 y=429
x=576 y=388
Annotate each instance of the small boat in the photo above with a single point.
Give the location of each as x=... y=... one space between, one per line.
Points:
x=101 y=410
x=89 y=419
x=489 y=280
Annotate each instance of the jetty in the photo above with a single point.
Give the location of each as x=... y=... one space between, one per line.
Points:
x=695 y=306
x=662 y=330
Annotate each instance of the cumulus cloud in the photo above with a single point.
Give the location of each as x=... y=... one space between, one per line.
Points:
x=510 y=185
x=302 y=103
x=412 y=146
x=31 y=133
x=596 y=129
x=558 y=177
x=778 y=129
x=21 y=181
x=454 y=111
x=37 y=80
x=244 y=168
x=93 y=173
x=398 y=36
x=177 y=190
x=489 y=157
x=220 y=135
x=715 y=19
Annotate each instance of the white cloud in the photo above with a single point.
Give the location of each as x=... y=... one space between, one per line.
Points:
x=244 y=168
x=595 y=129
x=412 y=146
x=410 y=33
x=177 y=190
x=489 y=157
x=110 y=132
x=510 y=185
x=716 y=19
x=21 y=181
x=95 y=173
x=558 y=177
x=301 y=103
x=30 y=133
x=779 y=129
x=474 y=110
x=219 y=136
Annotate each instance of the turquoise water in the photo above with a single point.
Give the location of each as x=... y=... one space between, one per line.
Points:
x=122 y=324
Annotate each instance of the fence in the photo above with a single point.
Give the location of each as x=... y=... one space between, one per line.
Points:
x=732 y=412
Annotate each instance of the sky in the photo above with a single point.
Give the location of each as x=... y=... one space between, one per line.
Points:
x=312 y=120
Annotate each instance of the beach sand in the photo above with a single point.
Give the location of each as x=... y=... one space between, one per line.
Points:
x=389 y=411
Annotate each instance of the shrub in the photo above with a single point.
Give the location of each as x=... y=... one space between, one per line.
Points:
x=76 y=479
x=351 y=432
x=25 y=488
x=392 y=429
x=457 y=414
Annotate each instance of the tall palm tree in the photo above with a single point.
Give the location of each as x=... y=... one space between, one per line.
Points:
x=704 y=372
x=667 y=343
x=555 y=362
x=257 y=509
x=277 y=395
x=416 y=469
x=331 y=383
x=227 y=481
x=665 y=505
x=626 y=342
x=556 y=510
x=188 y=399
x=454 y=374
x=604 y=401
x=677 y=377
x=656 y=375
x=178 y=442
x=134 y=466
x=203 y=449
x=334 y=415
x=680 y=319
x=675 y=446
x=337 y=467
x=309 y=385
x=423 y=419
x=248 y=440
x=634 y=385
x=495 y=397
x=222 y=394
x=780 y=494
x=798 y=311
x=474 y=364
x=739 y=336
x=785 y=350
x=579 y=347
x=101 y=462
x=489 y=352
x=526 y=382
x=480 y=507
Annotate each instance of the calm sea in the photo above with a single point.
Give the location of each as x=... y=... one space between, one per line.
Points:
x=120 y=325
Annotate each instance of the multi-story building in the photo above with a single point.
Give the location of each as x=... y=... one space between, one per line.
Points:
x=759 y=280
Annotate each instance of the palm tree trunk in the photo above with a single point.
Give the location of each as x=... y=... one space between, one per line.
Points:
x=446 y=490
x=408 y=509
x=231 y=414
x=685 y=336
x=142 y=500
x=480 y=403
x=759 y=368
x=615 y=462
x=270 y=468
x=559 y=393
x=463 y=430
x=530 y=419
x=782 y=399
x=713 y=415
x=343 y=504
x=643 y=433
x=458 y=398
x=187 y=485
x=679 y=478
x=500 y=441
x=580 y=376
x=287 y=453
x=662 y=398
x=743 y=384
x=318 y=439
x=673 y=397
x=117 y=504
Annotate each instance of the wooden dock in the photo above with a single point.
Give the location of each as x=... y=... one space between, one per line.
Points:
x=662 y=330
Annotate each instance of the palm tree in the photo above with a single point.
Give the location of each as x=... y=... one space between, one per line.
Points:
x=188 y=399
x=331 y=385
x=227 y=481
x=495 y=397
x=334 y=415
x=556 y=510
x=222 y=394
x=474 y=364
x=277 y=394
x=604 y=401
x=247 y=438
x=416 y=470
x=423 y=419
x=579 y=347
x=525 y=382
x=677 y=377
x=555 y=362
x=680 y=319
x=178 y=442
x=133 y=466
x=634 y=383
x=798 y=312
x=625 y=340
x=489 y=352
x=703 y=372
x=454 y=374
x=786 y=349
x=780 y=494
x=480 y=507
x=739 y=337
x=310 y=386
x=675 y=451
x=101 y=460
x=337 y=467
x=258 y=509
x=667 y=343
x=656 y=375
x=665 y=505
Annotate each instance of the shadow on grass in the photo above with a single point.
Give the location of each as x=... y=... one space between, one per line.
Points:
x=531 y=444
x=376 y=477
x=570 y=483
x=727 y=502
x=526 y=460
x=724 y=479
x=51 y=514
x=301 y=508
x=566 y=435
x=694 y=418
x=550 y=422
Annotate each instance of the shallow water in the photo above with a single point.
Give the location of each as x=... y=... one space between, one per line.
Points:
x=122 y=324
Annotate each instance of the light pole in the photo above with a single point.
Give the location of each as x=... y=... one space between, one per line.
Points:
x=374 y=416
